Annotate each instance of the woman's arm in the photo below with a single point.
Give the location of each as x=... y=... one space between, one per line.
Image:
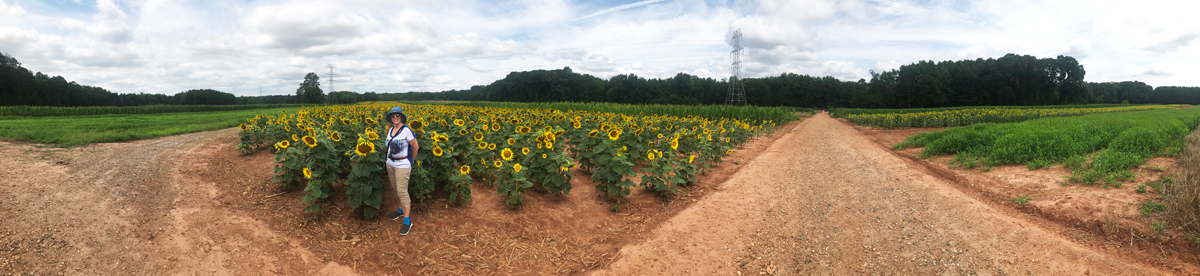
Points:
x=413 y=145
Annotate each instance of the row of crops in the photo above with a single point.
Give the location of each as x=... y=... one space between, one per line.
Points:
x=50 y=111
x=1099 y=148
x=513 y=149
x=948 y=117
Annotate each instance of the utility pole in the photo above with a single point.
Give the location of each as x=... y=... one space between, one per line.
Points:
x=737 y=91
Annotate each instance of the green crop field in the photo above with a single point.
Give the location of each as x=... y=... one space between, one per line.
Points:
x=67 y=131
x=1098 y=147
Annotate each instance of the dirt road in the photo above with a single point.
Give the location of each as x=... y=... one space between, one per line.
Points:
x=826 y=200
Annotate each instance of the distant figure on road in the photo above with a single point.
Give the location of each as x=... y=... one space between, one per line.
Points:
x=401 y=151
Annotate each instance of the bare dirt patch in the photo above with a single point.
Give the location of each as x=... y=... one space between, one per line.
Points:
x=1106 y=219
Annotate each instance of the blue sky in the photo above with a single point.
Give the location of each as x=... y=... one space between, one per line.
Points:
x=168 y=46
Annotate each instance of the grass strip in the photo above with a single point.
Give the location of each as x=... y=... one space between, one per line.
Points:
x=70 y=131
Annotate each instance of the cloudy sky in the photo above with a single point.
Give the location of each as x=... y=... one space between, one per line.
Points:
x=168 y=46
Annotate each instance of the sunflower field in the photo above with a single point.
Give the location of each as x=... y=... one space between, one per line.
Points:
x=967 y=116
x=512 y=149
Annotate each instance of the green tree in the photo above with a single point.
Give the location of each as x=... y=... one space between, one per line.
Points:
x=310 y=90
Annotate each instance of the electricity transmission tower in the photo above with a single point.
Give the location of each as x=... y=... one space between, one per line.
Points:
x=331 y=74
x=737 y=91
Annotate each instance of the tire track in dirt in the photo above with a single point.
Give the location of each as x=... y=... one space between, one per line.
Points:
x=825 y=200
x=132 y=208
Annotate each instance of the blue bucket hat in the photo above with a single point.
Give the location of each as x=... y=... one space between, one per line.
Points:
x=395 y=111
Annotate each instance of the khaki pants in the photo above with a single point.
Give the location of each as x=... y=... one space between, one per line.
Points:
x=399 y=177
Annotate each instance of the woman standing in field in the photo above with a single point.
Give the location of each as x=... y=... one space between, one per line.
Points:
x=401 y=151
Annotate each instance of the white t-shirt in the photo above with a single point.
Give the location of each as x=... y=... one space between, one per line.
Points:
x=401 y=139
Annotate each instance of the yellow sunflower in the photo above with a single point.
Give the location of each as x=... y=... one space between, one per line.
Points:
x=370 y=121
x=593 y=133
x=525 y=151
x=307 y=173
x=507 y=154
x=729 y=151
x=495 y=127
x=284 y=144
x=576 y=124
x=295 y=138
x=523 y=129
x=363 y=148
x=690 y=158
x=660 y=136
x=242 y=127
x=335 y=136
x=372 y=136
x=462 y=132
x=464 y=169
x=498 y=164
x=442 y=138
x=483 y=145
x=416 y=125
x=650 y=155
x=614 y=134
x=675 y=143
x=479 y=136
x=310 y=141
x=517 y=168
x=543 y=156
x=511 y=141
x=458 y=122
x=437 y=151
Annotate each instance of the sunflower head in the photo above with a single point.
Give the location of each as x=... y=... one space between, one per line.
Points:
x=498 y=164
x=437 y=151
x=675 y=143
x=491 y=146
x=614 y=134
x=727 y=139
x=335 y=136
x=464 y=169
x=507 y=154
x=284 y=144
x=295 y=138
x=416 y=125
x=523 y=129
x=370 y=121
x=310 y=141
x=525 y=151
x=660 y=136
x=372 y=136
x=442 y=138
x=462 y=132
x=483 y=145
x=363 y=148
x=458 y=122
x=650 y=155
x=593 y=133
x=478 y=136
x=543 y=156
x=242 y=127
x=578 y=118
x=495 y=127
x=729 y=151
x=690 y=158
x=307 y=173
x=517 y=168
x=576 y=124
x=511 y=141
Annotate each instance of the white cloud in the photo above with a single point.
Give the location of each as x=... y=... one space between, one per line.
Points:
x=239 y=46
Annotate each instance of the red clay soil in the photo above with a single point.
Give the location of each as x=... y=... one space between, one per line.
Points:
x=815 y=197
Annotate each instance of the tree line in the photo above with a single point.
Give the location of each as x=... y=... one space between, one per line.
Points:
x=1008 y=80
x=1005 y=81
